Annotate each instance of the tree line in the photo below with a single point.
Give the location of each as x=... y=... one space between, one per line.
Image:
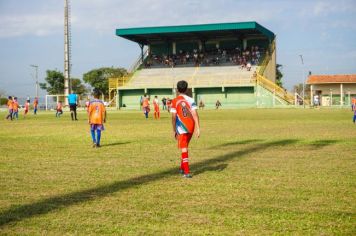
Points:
x=96 y=79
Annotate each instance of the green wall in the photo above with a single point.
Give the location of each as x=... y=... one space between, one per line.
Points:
x=229 y=97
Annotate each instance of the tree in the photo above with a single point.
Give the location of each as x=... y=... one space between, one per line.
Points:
x=298 y=88
x=55 y=83
x=98 y=78
x=279 y=75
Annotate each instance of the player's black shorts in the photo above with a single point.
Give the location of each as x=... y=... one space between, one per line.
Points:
x=73 y=107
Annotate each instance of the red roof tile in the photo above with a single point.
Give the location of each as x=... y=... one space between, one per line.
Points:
x=329 y=79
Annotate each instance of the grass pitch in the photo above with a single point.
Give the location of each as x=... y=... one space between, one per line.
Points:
x=254 y=172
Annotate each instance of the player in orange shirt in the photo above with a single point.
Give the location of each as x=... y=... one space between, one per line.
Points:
x=35 y=105
x=169 y=104
x=27 y=107
x=156 y=107
x=15 y=105
x=145 y=105
x=97 y=116
x=59 y=109
x=185 y=121
x=10 y=107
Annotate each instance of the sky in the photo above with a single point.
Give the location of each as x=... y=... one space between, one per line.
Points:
x=31 y=32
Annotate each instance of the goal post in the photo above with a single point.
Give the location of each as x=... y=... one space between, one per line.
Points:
x=51 y=100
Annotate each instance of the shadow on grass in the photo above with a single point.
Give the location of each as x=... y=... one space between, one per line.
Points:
x=322 y=143
x=115 y=144
x=240 y=142
x=18 y=213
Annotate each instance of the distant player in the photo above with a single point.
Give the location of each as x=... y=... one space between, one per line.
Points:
x=97 y=116
x=73 y=101
x=59 y=109
x=15 y=114
x=35 y=105
x=10 y=108
x=185 y=120
x=217 y=104
x=27 y=107
x=169 y=104
x=145 y=106
x=156 y=107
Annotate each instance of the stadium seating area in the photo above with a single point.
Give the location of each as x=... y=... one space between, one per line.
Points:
x=227 y=57
x=196 y=76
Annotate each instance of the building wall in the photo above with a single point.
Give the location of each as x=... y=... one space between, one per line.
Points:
x=330 y=93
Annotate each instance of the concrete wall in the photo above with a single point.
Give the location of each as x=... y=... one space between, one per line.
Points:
x=270 y=71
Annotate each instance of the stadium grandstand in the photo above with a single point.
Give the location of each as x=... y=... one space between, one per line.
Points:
x=234 y=63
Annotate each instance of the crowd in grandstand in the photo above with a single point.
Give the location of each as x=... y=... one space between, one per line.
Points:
x=244 y=58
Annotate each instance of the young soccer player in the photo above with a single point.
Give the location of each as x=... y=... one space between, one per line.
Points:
x=35 y=105
x=156 y=107
x=185 y=120
x=169 y=104
x=145 y=105
x=15 y=105
x=97 y=116
x=10 y=107
x=59 y=109
x=27 y=107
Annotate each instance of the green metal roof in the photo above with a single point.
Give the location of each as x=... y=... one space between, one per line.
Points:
x=145 y=35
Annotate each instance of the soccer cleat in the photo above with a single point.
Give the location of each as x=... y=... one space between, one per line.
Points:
x=94 y=145
x=188 y=176
x=98 y=145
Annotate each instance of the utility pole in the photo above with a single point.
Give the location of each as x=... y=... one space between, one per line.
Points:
x=67 y=56
x=36 y=77
x=303 y=94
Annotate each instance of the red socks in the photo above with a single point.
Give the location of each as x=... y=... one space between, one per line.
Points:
x=185 y=163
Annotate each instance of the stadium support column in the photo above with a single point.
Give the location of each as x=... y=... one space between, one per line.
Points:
x=341 y=94
x=141 y=46
x=66 y=50
x=311 y=94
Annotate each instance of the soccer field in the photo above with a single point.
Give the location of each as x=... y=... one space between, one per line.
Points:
x=255 y=171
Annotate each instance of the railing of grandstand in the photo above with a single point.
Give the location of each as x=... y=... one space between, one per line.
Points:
x=118 y=82
x=138 y=61
x=269 y=85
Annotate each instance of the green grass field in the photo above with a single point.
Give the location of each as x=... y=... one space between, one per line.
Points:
x=277 y=171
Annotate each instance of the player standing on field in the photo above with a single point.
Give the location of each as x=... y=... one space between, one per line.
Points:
x=185 y=120
x=156 y=107
x=97 y=116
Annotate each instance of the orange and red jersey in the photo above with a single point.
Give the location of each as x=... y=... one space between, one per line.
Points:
x=96 y=112
x=27 y=106
x=15 y=105
x=156 y=104
x=145 y=102
x=10 y=104
x=182 y=106
x=35 y=102
x=59 y=106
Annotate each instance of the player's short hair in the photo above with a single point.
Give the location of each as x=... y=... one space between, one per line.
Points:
x=96 y=93
x=182 y=86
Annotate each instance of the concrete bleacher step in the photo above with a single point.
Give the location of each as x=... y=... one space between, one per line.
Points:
x=214 y=75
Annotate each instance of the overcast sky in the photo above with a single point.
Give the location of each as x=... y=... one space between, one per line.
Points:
x=31 y=32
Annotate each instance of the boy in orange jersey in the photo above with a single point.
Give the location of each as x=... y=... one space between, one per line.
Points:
x=156 y=107
x=27 y=107
x=185 y=120
x=97 y=116
x=169 y=104
x=16 y=106
x=10 y=107
x=145 y=106
x=35 y=105
x=59 y=109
